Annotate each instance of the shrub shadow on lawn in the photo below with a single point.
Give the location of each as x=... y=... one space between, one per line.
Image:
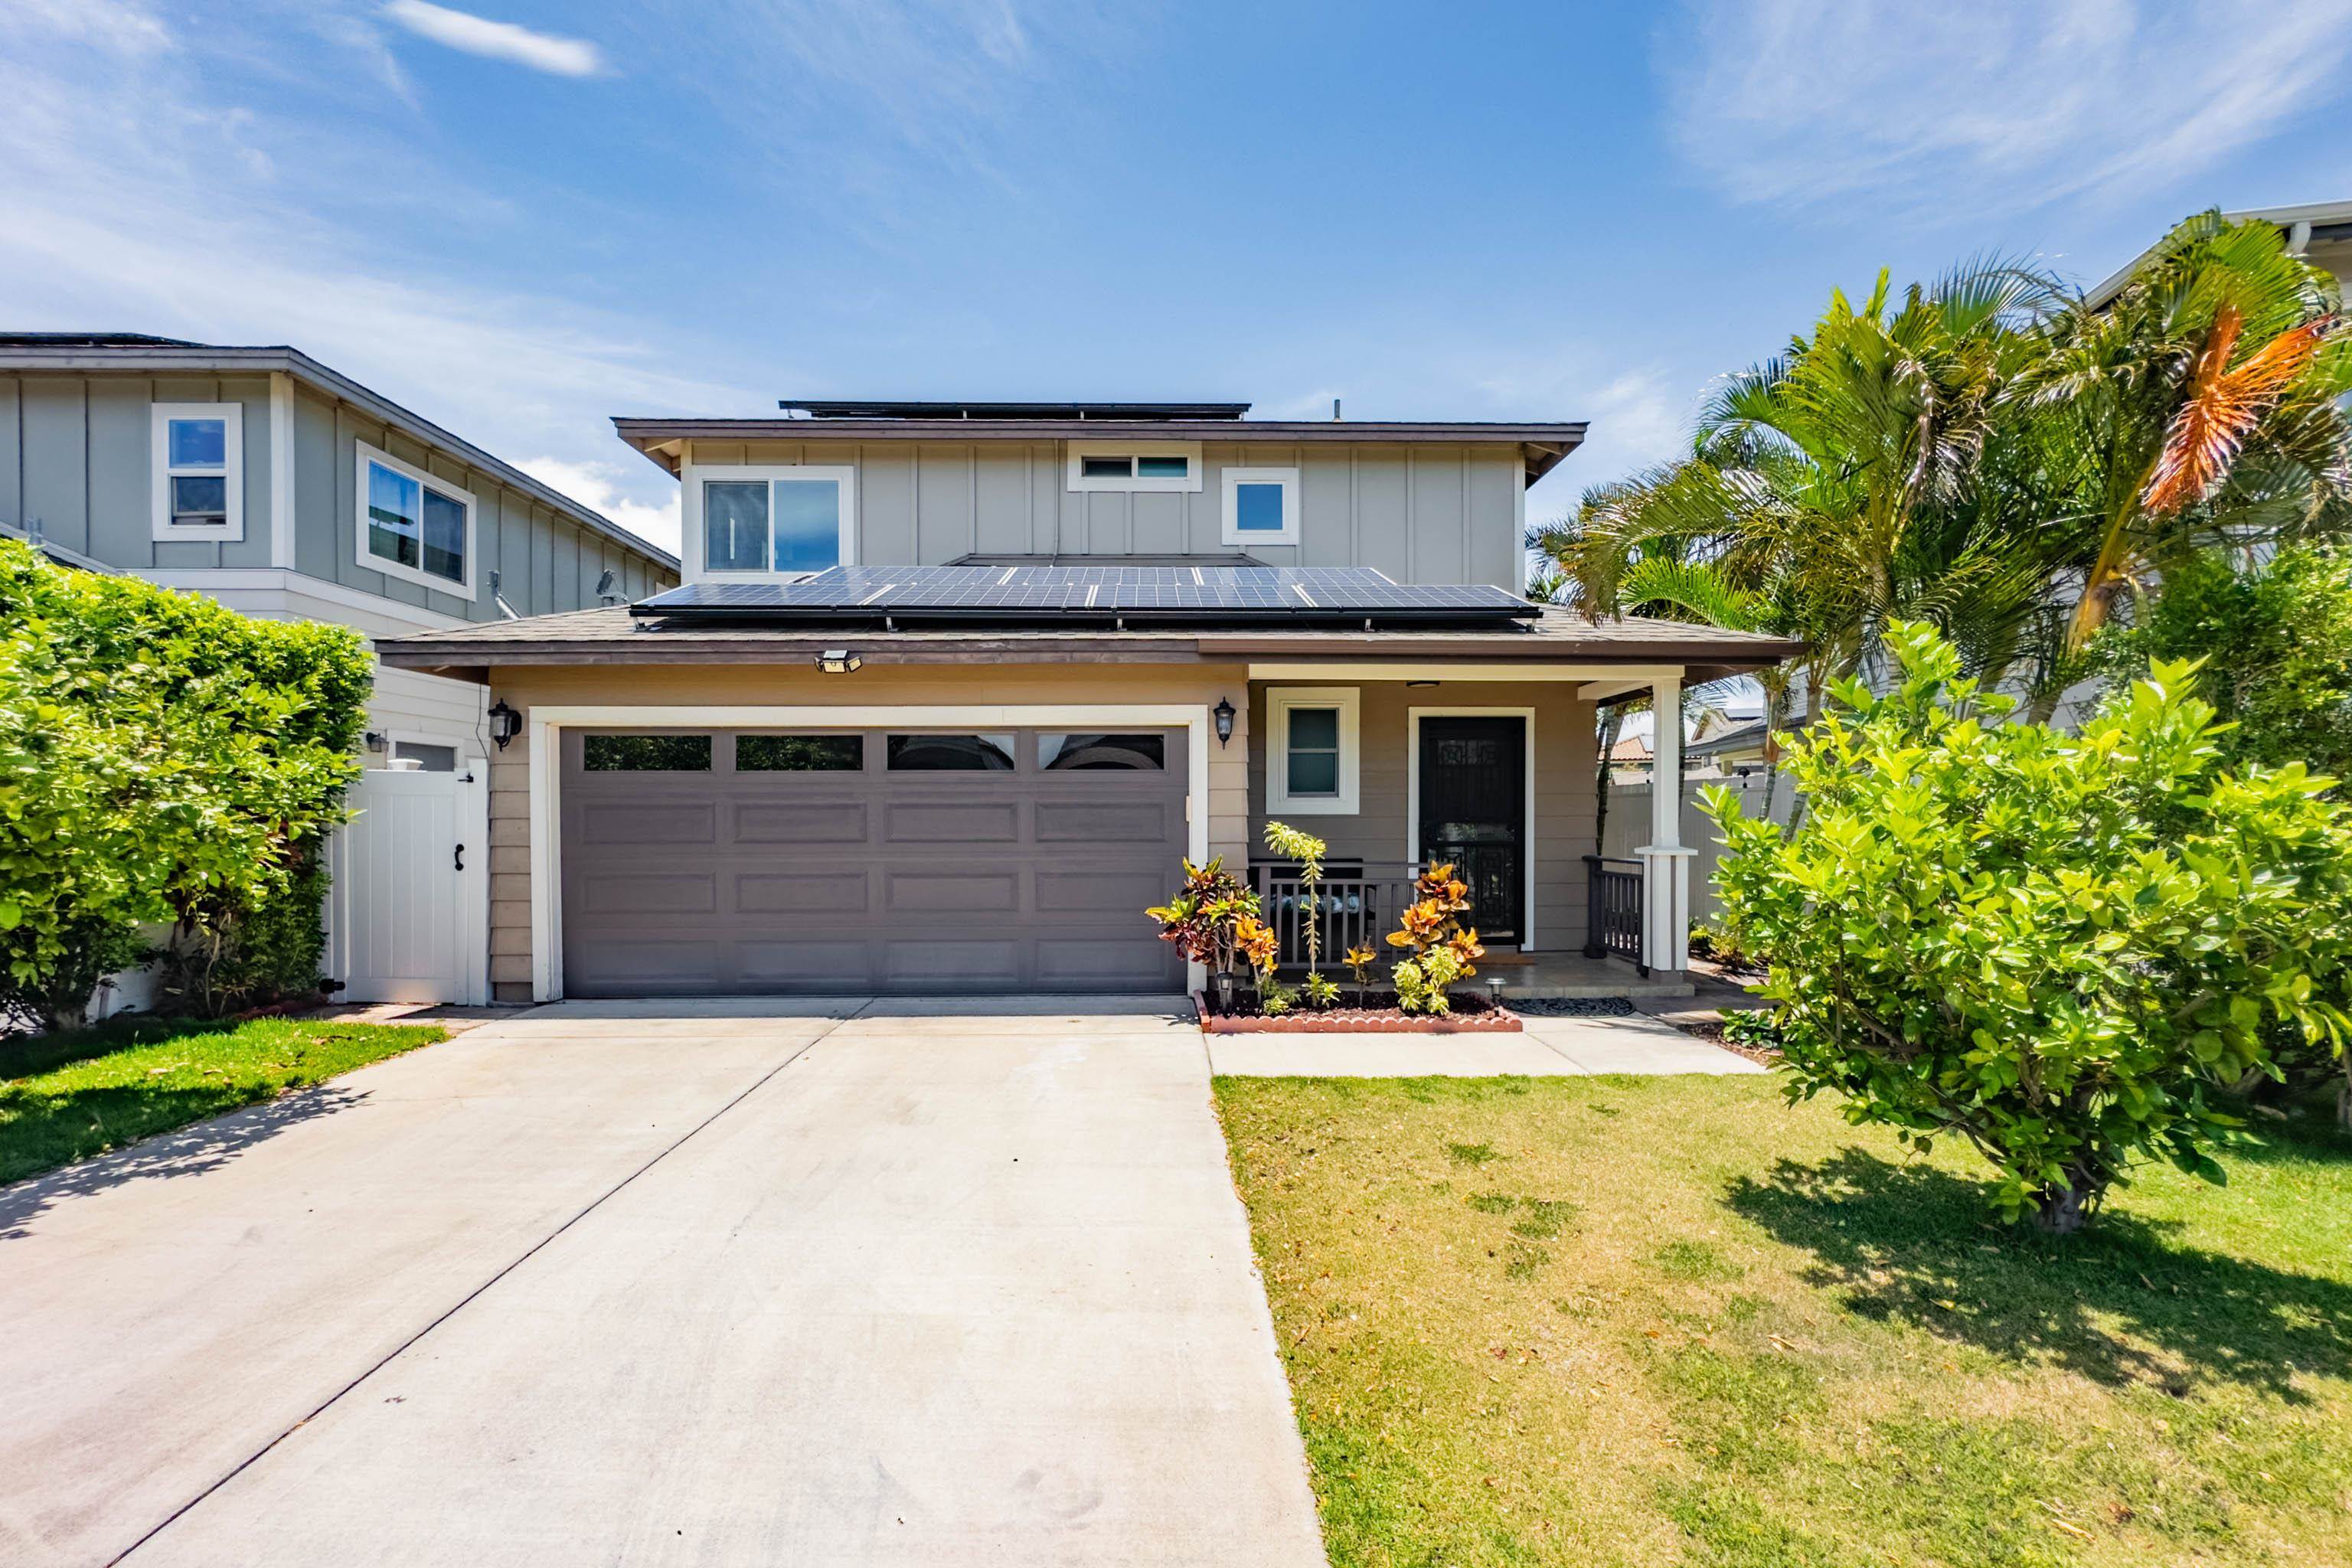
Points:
x=1912 y=1243
x=184 y=1151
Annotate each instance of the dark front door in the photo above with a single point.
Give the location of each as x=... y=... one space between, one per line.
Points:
x=1474 y=812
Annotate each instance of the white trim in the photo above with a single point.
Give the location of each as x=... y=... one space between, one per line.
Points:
x=1279 y=701
x=1288 y=479
x=1666 y=865
x=548 y=722
x=692 y=477
x=1621 y=677
x=231 y=471
x=370 y=561
x=226 y=583
x=1412 y=718
x=1188 y=450
x=281 y=469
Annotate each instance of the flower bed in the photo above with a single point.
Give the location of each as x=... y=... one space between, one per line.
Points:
x=1472 y=1015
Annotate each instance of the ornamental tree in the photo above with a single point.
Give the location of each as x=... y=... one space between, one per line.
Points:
x=2053 y=946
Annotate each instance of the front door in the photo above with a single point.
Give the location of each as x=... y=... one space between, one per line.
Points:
x=1474 y=812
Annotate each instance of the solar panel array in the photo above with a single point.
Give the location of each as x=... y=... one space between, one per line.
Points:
x=1013 y=593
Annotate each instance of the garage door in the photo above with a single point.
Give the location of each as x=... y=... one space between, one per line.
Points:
x=749 y=862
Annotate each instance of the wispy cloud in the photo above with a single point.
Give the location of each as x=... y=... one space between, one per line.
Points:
x=599 y=487
x=1996 y=105
x=474 y=35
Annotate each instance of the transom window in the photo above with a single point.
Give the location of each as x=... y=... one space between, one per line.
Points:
x=1260 y=506
x=799 y=754
x=1134 y=465
x=783 y=521
x=414 y=525
x=1311 y=761
x=198 y=456
x=1079 y=753
x=646 y=754
x=990 y=753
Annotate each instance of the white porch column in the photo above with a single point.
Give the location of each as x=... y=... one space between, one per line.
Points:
x=1665 y=863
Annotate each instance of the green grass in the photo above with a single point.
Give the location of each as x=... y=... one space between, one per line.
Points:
x=65 y=1098
x=1674 y=1321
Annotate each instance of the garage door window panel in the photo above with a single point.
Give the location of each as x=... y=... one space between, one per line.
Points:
x=800 y=753
x=991 y=753
x=1098 y=752
x=646 y=754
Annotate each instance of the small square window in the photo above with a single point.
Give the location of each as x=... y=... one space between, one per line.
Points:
x=1314 y=752
x=199 y=443
x=199 y=500
x=197 y=455
x=1260 y=506
x=1311 y=765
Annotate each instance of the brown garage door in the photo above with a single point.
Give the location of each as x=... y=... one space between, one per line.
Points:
x=748 y=862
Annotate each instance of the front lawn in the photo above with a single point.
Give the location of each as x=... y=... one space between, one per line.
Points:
x=65 y=1098
x=1669 y=1320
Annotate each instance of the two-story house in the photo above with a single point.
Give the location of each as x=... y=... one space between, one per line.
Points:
x=287 y=491
x=949 y=689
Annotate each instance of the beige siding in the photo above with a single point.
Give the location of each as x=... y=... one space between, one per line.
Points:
x=1377 y=833
x=1422 y=513
x=1009 y=685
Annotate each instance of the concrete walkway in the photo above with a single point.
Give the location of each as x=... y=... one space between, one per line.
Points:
x=1551 y=1048
x=679 y=1284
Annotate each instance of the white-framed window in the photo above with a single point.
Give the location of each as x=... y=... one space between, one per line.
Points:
x=1260 y=506
x=1134 y=465
x=198 y=464
x=414 y=525
x=1311 y=750
x=772 y=521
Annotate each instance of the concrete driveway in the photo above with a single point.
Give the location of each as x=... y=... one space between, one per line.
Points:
x=695 y=1283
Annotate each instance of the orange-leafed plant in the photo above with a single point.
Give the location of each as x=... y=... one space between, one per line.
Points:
x=1443 y=950
x=1359 y=962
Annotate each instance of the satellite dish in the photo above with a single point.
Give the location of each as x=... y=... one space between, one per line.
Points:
x=608 y=587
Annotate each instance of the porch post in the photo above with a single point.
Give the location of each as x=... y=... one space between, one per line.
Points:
x=1666 y=880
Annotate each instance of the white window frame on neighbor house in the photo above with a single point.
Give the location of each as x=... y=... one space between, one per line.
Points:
x=1165 y=483
x=231 y=469
x=1233 y=478
x=370 y=561
x=1279 y=700
x=1526 y=717
x=548 y=723
x=691 y=551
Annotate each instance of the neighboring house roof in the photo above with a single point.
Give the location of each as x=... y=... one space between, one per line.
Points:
x=2323 y=225
x=1631 y=749
x=1542 y=445
x=613 y=636
x=130 y=352
x=852 y=408
x=1738 y=738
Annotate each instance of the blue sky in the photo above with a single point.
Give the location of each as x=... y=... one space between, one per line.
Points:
x=519 y=218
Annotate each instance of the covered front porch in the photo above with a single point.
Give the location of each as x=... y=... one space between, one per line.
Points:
x=1494 y=770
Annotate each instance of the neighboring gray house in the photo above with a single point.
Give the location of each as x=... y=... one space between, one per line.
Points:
x=238 y=472
x=951 y=687
x=288 y=491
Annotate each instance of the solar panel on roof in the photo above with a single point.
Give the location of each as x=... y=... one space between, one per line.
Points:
x=1105 y=591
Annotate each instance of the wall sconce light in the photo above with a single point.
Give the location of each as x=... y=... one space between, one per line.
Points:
x=838 y=661
x=1225 y=716
x=374 y=741
x=505 y=723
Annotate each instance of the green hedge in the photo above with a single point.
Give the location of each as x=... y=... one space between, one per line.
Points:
x=163 y=758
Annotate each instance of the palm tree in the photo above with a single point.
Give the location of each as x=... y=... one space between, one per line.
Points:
x=2199 y=405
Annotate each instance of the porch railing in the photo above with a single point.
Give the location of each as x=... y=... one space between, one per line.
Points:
x=1612 y=909
x=1360 y=905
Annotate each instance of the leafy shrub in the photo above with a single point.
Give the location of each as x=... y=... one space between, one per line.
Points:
x=1444 y=950
x=2050 y=945
x=161 y=759
x=1212 y=919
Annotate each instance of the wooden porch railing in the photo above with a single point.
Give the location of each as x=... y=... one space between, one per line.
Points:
x=1612 y=909
x=1360 y=905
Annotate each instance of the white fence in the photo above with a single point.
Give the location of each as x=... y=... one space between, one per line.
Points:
x=1628 y=827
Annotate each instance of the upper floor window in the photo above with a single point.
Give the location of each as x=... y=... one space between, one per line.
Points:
x=414 y=525
x=1260 y=506
x=1134 y=465
x=198 y=462
x=756 y=522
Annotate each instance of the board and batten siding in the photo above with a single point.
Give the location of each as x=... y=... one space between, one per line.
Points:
x=76 y=455
x=1420 y=513
x=1562 y=810
x=627 y=685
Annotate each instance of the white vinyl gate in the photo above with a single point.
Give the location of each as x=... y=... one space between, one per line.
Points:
x=408 y=915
